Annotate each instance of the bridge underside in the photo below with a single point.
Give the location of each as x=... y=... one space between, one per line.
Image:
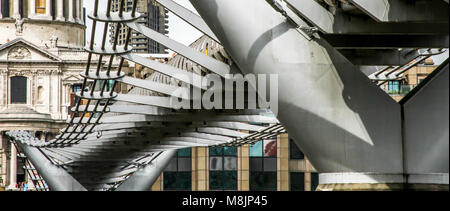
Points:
x=355 y=135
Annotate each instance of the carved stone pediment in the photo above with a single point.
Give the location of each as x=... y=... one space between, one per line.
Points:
x=72 y=79
x=19 y=52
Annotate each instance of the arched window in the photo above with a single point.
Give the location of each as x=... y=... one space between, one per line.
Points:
x=19 y=89
x=40 y=6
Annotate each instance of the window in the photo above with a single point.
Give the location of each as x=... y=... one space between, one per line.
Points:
x=314 y=181
x=4 y=8
x=177 y=175
x=223 y=168
x=263 y=165
x=76 y=88
x=19 y=90
x=73 y=98
x=294 y=151
x=297 y=181
x=40 y=6
x=109 y=85
x=393 y=87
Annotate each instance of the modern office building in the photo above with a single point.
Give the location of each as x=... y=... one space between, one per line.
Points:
x=154 y=16
x=269 y=165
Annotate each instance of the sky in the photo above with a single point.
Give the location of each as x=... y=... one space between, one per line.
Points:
x=179 y=30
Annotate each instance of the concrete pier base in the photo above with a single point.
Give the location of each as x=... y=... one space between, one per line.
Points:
x=382 y=182
x=383 y=187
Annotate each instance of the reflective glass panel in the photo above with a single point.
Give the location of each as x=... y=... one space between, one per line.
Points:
x=256 y=164
x=270 y=148
x=270 y=181
x=256 y=181
x=295 y=152
x=297 y=181
x=216 y=180
x=270 y=164
x=256 y=149
x=215 y=163
x=172 y=166
x=184 y=164
x=183 y=181
x=215 y=151
x=186 y=152
x=230 y=180
x=314 y=181
x=170 y=179
x=230 y=151
x=230 y=163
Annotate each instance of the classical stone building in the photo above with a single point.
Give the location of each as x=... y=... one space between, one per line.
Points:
x=30 y=20
x=41 y=57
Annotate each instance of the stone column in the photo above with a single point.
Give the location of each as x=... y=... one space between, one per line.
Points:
x=1 y=14
x=31 y=8
x=78 y=11
x=16 y=12
x=48 y=7
x=60 y=11
x=2 y=159
x=71 y=18
x=13 y=168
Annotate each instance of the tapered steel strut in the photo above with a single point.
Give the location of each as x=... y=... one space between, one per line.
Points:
x=56 y=177
x=143 y=179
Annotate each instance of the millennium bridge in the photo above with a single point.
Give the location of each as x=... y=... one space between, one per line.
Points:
x=354 y=134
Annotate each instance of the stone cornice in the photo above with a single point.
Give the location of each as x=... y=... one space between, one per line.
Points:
x=30 y=61
x=28 y=20
x=27 y=72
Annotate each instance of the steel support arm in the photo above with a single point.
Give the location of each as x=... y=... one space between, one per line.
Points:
x=314 y=13
x=143 y=179
x=346 y=23
x=375 y=57
x=208 y=62
x=354 y=41
x=188 y=16
x=403 y=11
x=165 y=69
x=56 y=177
x=153 y=86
